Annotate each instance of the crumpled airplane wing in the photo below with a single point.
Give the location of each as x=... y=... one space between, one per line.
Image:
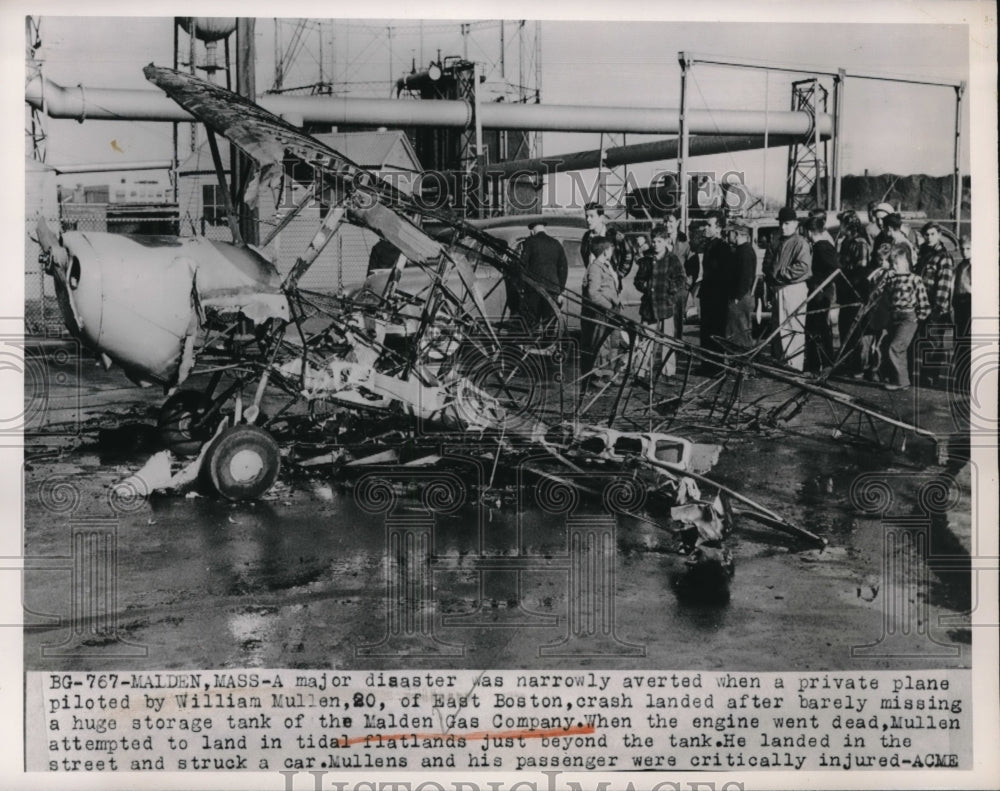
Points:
x=260 y=134
x=271 y=142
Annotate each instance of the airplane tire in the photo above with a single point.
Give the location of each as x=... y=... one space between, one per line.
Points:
x=242 y=462
x=177 y=423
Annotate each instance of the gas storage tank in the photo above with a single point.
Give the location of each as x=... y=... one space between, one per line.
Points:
x=208 y=28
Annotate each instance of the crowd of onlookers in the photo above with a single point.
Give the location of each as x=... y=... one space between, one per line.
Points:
x=857 y=303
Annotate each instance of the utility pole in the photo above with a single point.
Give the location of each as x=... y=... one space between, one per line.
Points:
x=685 y=138
x=957 y=169
x=241 y=166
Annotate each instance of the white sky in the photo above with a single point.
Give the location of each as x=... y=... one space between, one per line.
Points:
x=888 y=128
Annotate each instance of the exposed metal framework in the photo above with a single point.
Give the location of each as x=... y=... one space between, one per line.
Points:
x=35 y=127
x=839 y=77
x=367 y=59
x=807 y=156
x=613 y=179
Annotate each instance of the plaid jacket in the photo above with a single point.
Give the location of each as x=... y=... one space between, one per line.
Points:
x=660 y=281
x=936 y=267
x=906 y=292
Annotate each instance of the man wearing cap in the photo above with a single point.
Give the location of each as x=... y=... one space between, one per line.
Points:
x=742 y=278
x=787 y=266
x=543 y=260
x=881 y=235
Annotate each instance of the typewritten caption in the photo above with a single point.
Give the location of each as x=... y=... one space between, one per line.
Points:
x=497 y=720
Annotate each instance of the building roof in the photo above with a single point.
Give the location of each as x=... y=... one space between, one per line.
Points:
x=376 y=150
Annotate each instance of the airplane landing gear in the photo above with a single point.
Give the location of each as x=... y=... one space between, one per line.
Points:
x=242 y=462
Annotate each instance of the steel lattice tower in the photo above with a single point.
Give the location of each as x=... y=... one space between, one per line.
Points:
x=35 y=127
x=807 y=158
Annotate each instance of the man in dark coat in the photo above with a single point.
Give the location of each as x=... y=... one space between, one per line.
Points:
x=822 y=307
x=857 y=343
x=742 y=278
x=678 y=243
x=544 y=261
x=714 y=291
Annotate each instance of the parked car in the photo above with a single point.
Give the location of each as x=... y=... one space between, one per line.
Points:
x=512 y=230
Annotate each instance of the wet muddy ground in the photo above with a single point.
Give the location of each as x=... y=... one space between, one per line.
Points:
x=310 y=577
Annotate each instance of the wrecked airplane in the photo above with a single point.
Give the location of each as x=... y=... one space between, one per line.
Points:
x=179 y=311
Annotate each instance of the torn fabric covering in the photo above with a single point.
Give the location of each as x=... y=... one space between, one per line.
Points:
x=270 y=175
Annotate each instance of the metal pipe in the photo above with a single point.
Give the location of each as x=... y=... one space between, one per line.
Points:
x=140 y=105
x=241 y=165
x=839 y=83
x=480 y=156
x=107 y=167
x=643 y=120
x=767 y=136
x=685 y=140
x=657 y=150
x=957 y=169
x=816 y=144
x=191 y=70
x=174 y=128
x=716 y=60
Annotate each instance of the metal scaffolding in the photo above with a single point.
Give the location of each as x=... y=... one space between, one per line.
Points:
x=807 y=157
x=35 y=127
x=612 y=180
x=839 y=76
x=426 y=61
